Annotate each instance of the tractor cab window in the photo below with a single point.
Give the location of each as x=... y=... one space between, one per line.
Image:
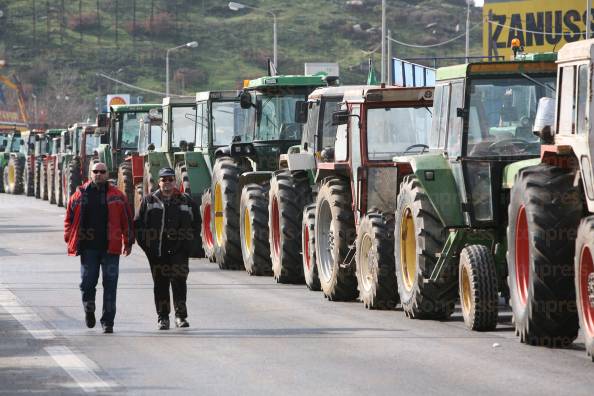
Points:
x=129 y=125
x=328 y=130
x=311 y=127
x=276 y=118
x=15 y=146
x=393 y=130
x=501 y=114
x=92 y=142
x=228 y=121
x=182 y=125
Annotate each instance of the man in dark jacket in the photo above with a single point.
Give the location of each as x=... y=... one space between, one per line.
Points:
x=167 y=229
x=98 y=227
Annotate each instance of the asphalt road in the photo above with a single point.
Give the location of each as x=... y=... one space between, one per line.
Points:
x=247 y=335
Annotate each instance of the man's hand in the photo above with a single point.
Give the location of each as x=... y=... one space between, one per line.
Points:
x=126 y=250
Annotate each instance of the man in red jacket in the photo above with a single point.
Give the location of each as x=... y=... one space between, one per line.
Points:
x=99 y=227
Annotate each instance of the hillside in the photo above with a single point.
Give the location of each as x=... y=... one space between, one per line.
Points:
x=57 y=47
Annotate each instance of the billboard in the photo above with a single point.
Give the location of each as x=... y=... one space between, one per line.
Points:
x=541 y=25
x=11 y=115
x=118 y=99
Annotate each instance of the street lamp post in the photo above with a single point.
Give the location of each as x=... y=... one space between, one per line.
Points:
x=234 y=6
x=467 y=49
x=191 y=44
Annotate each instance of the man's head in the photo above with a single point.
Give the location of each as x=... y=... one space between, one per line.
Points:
x=166 y=181
x=99 y=173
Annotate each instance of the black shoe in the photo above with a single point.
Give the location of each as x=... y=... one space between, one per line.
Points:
x=181 y=322
x=107 y=329
x=163 y=324
x=90 y=319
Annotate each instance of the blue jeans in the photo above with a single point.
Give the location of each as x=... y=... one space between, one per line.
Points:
x=90 y=261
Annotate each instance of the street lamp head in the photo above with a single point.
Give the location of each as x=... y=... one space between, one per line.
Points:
x=233 y=6
x=192 y=44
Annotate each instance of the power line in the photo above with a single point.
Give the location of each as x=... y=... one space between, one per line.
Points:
x=137 y=87
x=432 y=45
x=533 y=31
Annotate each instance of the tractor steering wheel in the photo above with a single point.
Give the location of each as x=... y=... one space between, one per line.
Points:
x=423 y=146
x=511 y=141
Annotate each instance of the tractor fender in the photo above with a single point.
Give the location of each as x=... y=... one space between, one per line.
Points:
x=258 y=177
x=434 y=173
x=511 y=171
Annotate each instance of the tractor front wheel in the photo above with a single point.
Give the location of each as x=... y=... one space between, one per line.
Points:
x=74 y=176
x=51 y=183
x=253 y=225
x=376 y=279
x=308 y=243
x=544 y=214
x=13 y=176
x=206 y=229
x=126 y=182
x=29 y=178
x=477 y=281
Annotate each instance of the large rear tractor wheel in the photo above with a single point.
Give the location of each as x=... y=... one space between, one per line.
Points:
x=207 y=224
x=58 y=184
x=335 y=236
x=374 y=255
x=29 y=178
x=255 y=248
x=308 y=243
x=225 y=210
x=43 y=182
x=13 y=176
x=183 y=178
x=2 y=180
x=288 y=195
x=477 y=282
x=544 y=214
x=126 y=182
x=51 y=182
x=419 y=236
x=37 y=177
x=74 y=176
x=584 y=281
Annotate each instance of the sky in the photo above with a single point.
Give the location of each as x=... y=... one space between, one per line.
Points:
x=478 y=3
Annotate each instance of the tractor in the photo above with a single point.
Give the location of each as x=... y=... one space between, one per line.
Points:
x=12 y=163
x=291 y=209
x=242 y=170
x=120 y=127
x=551 y=224
x=451 y=213
x=50 y=162
x=29 y=180
x=356 y=200
x=43 y=146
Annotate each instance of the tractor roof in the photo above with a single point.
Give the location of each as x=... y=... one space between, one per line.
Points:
x=543 y=62
x=334 y=91
x=579 y=50
x=54 y=132
x=217 y=95
x=316 y=80
x=135 y=108
x=169 y=101
x=374 y=93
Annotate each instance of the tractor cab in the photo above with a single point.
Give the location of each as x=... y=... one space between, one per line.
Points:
x=150 y=132
x=483 y=124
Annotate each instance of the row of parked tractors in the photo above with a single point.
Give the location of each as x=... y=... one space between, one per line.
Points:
x=479 y=190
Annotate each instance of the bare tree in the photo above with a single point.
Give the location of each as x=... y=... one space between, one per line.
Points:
x=60 y=99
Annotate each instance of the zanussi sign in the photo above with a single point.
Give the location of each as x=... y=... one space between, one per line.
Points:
x=541 y=25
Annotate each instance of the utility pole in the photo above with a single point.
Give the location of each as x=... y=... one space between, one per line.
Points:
x=588 y=17
x=383 y=69
x=389 y=51
x=467 y=53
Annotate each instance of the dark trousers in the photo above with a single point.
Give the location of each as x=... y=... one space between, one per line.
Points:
x=90 y=261
x=170 y=270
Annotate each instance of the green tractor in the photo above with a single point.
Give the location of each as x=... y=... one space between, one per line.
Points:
x=551 y=224
x=121 y=127
x=242 y=171
x=451 y=216
x=12 y=162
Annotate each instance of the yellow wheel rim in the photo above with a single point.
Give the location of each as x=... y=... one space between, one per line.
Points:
x=466 y=297
x=218 y=207
x=11 y=176
x=247 y=230
x=408 y=249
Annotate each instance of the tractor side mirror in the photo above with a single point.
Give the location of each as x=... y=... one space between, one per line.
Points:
x=103 y=120
x=245 y=100
x=545 y=119
x=100 y=131
x=462 y=112
x=22 y=143
x=327 y=154
x=151 y=147
x=301 y=107
x=155 y=115
x=340 y=117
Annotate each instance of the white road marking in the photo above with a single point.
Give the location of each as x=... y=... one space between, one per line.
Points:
x=74 y=364
x=84 y=376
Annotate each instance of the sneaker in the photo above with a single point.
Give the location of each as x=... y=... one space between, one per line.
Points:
x=107 y=329
x=90 y=319
x=163 y=324
x=181 y=322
